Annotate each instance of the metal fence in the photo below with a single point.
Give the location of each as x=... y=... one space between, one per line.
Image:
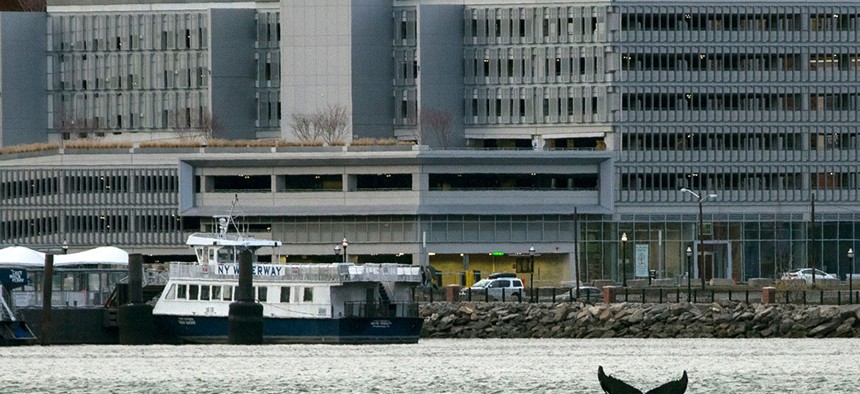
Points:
x=644 y=295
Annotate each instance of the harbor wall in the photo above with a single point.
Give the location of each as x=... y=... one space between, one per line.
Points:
x=724 y=319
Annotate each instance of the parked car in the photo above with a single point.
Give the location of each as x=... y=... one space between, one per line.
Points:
x=586 y=293
x=806 y=274
x=494 y=286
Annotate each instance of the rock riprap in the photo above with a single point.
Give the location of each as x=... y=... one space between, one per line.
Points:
x=726 y=319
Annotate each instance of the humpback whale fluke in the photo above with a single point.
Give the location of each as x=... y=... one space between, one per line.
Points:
x=612 y=385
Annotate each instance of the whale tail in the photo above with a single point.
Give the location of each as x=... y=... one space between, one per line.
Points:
x=611 y=385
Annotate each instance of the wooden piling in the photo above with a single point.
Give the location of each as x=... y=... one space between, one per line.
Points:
x=245 y=318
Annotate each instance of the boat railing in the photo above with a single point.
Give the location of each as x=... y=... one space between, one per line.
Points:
x=330 y=273
x=380 y=309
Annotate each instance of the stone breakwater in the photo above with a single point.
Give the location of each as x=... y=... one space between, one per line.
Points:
x=726 y=319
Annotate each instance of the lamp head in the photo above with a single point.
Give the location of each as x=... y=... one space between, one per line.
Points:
x=623 y=237
x=850 y=253
x=345 y=243
x=532 y=250
x=689 y=251
x=712 y=196
x=337 y=249
x=684 y=190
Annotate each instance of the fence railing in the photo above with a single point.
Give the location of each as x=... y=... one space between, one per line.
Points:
x=642 y=295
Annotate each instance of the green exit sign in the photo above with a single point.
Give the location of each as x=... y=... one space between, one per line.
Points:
x=497 y=253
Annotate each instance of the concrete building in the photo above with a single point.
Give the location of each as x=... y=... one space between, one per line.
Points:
x=755 y=102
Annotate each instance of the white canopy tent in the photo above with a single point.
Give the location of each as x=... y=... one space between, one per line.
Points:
x=101 y=255
x=20 y=256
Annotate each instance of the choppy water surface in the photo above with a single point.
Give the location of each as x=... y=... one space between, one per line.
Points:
x=433 y=366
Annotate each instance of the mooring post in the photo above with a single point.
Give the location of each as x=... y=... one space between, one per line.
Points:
x=246 y=316
x=47 y=293
x=135 y=321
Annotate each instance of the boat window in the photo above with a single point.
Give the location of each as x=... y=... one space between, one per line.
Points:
x=204 y=293
x=216 y=292
x=228 y=292
x=181 y=292
x=171 y=293
x=285 y=294
x=212 y=252
x=309 y=294
x=225 y=256
x=193 y=292
x=261 y=294
x=201 y=255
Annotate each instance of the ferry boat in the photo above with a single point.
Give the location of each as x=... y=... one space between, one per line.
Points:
x=341 y=303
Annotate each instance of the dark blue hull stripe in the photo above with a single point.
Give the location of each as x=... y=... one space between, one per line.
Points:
x=348 y=330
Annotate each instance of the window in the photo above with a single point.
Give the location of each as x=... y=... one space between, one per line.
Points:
x=308 y=294
x=285 y=294
x=228 y=292
x=181 y=292
x=193 y=292
x=204 y=293
x=262 y=293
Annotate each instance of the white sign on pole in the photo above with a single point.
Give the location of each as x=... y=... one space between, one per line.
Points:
x=641 y=267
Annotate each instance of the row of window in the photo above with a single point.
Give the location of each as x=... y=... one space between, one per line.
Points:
x=742 y=19
x=91 y=112
x=32 y=187
x=268 y=29
x=382 y=182
x=552 y=104
x=155 y=70
x=818 y=102
x=737 y=62
x=88 y=224
x=735 y=139
x=531 y=65
x=742 y=179
x=125 y=32
x=280 y=294
x=535 y=24
x=578 y=24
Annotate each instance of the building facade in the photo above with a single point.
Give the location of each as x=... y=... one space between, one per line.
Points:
x=755 y=102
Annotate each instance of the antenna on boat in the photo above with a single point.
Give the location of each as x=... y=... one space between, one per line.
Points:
x=230 y=217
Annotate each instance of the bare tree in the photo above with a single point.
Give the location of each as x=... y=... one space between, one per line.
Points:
x=303 y=128
x=437 y=123
x=22 y=5
x=331 y=123
x=184 y=126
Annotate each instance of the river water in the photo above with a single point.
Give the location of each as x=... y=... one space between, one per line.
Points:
x=439 y=366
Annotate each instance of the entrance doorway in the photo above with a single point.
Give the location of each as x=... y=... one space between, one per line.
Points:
x=717 y=262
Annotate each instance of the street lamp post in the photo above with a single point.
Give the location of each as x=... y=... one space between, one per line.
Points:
x=851 y=276
x=532 y=272
x=701 y=199
x=624 y=259
x=689 y=268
